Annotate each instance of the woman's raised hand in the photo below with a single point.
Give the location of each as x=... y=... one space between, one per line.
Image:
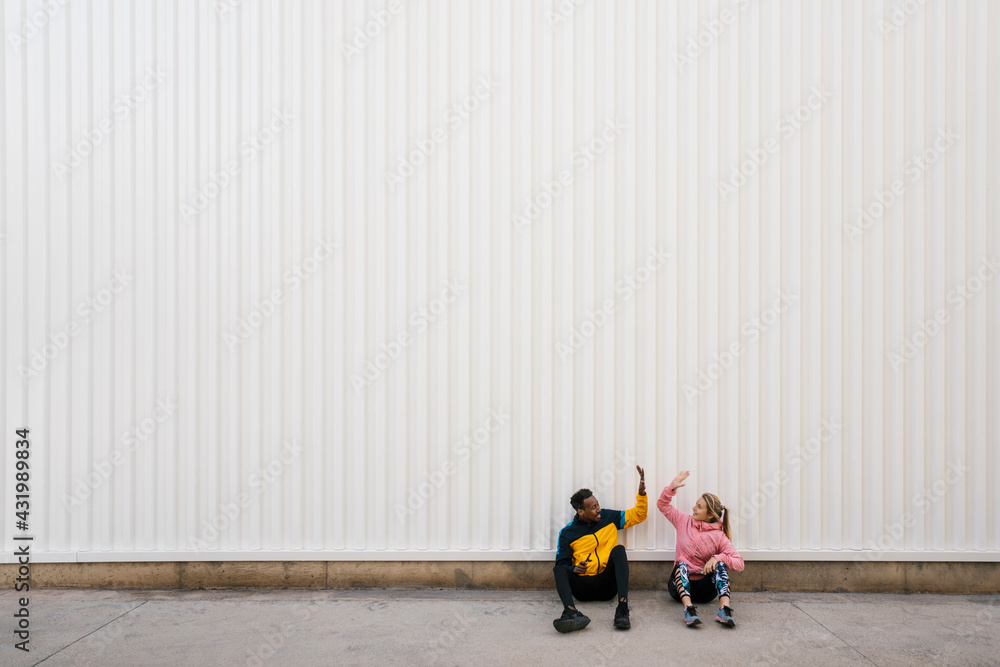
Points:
x=679 y=480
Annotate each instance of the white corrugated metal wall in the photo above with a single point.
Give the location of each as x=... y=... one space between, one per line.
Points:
x=392 y=279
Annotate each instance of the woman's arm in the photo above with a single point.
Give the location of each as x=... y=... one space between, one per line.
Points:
x=730 y=556
x=673 y=514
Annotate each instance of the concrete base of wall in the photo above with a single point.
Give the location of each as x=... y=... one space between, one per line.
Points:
x=798 y=576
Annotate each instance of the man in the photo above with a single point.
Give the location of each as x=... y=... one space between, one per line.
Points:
x=590 y=564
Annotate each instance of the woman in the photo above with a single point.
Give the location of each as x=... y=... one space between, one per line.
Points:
x=704 y=553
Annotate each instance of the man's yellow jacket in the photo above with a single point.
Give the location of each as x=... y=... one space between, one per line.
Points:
x=580 y=540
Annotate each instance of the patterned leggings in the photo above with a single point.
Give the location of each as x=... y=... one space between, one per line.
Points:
x=700 y=590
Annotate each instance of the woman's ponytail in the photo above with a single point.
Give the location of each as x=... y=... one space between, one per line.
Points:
x=718 y=511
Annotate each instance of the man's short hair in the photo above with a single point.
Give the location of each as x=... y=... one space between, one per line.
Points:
x=576 y=500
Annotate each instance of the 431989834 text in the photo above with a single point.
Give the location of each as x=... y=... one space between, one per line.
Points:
x=22 y=510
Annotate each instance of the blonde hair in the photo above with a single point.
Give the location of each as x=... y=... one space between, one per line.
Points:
x=717 y=512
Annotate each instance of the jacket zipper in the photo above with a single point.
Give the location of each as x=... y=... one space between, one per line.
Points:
x=596 y=547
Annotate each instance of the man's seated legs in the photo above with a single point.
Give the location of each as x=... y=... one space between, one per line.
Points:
x=612 y=581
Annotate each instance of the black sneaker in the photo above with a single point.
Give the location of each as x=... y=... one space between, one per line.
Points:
x=621 y=617
x=570 y=621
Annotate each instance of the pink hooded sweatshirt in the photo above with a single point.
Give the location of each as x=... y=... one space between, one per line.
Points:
x=698 y=541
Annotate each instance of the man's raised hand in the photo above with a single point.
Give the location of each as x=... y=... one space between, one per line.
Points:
x=642 y=481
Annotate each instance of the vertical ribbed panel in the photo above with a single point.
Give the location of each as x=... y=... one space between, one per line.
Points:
x=391 y=280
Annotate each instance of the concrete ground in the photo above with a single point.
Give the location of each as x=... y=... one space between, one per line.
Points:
x=447 y=627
